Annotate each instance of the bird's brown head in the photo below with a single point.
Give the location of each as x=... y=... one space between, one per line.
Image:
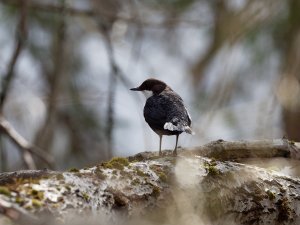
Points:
x=154 y=85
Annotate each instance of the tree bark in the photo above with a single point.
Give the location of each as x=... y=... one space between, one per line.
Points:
x=146 y=188
x=289 y=86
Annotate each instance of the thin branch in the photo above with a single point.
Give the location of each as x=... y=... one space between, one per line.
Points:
x=112 y=88
x=23 y=144
x=51 y=8
x=20 y=37
x=56 y=80
x=115 y=72
x=229 y=28
x=234 y=150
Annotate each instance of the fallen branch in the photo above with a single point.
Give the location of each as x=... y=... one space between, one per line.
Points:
x=234 y=150
x=230 y=150
x=167 y=188
x=20 y=37
x=24 y=145
x=17 y=214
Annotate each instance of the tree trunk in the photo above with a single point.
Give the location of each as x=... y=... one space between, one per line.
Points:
x=289 y=86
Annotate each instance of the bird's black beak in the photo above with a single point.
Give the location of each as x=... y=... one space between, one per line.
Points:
x=135 y=89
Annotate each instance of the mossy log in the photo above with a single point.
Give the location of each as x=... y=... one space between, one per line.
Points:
x=146 y=188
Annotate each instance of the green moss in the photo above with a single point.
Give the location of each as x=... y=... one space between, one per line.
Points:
x=99 y=173
x=28 y=207
x=59 y=176
x=34 y=192
x=210 y=168
x=159 y=172
x=55 y=205
x=68 y=188
x=140 y=173
x=73 y=170
x=271 y=195
x=155 y=191
x=123 y=161
x=36 y=203
x=291 y=142
x=20 y=181
x=114 y=172
x=116 y=163
x=284 y=210
x=86 y=197
x=20 y=201
x=107 y=165
x=37 y=194
x=162 y=176
x=40 y=195
x=135 y=182
x=5 y=191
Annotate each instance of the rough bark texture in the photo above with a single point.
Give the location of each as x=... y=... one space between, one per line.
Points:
x=226 y=150
x=147 y=189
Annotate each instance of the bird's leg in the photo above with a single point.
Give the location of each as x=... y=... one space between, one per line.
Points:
x=175 y=150
x=160 y=139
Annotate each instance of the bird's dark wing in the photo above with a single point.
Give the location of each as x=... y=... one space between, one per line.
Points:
x=155 y=113
x=166 y=111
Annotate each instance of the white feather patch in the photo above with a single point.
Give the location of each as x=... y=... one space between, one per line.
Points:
x=188 y=114
x=170 y=126
x=148 y=94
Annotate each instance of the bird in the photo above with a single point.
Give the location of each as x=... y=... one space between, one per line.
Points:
x=164 y=110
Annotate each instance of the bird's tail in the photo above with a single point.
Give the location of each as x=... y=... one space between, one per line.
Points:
x=188 y=130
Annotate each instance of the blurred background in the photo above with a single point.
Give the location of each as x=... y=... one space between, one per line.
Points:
x=66 y=67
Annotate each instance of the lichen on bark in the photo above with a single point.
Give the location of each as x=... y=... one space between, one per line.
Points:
x=188 y=189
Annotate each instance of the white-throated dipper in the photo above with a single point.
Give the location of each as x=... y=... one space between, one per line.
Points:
x=164 y=111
